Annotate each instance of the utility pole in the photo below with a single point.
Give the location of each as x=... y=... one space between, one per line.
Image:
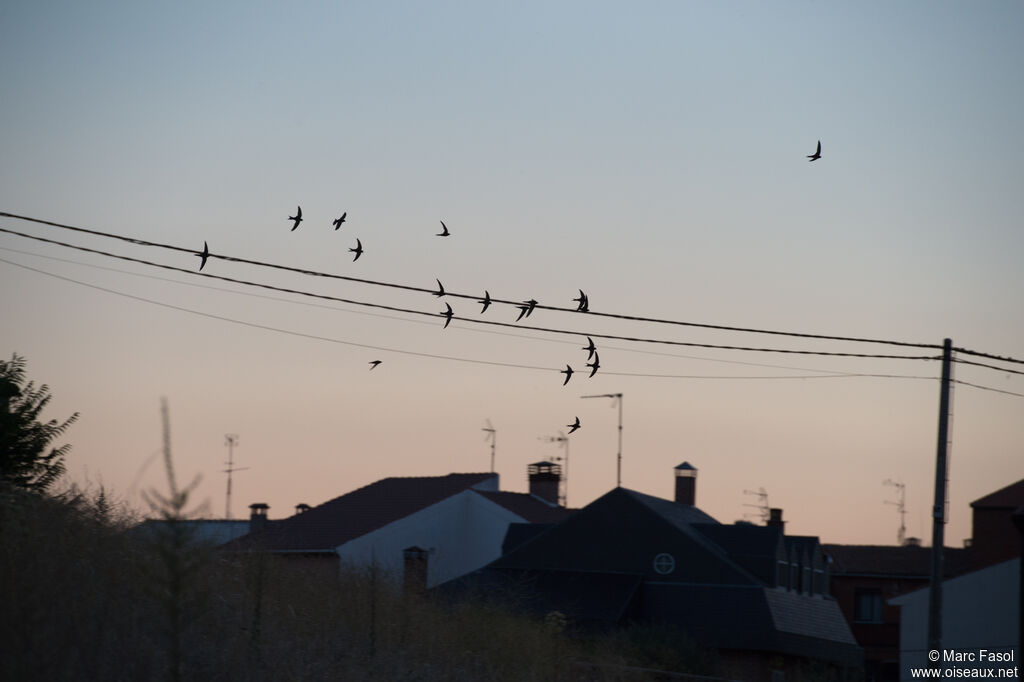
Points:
x=231 y=440
x=939 y=508
x=618 y=398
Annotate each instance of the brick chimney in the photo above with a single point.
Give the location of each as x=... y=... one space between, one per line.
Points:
x=301 y=508
x=545 y=478
x=258 y=516
x=686 y=484
x=775 y=519
x=414 y=576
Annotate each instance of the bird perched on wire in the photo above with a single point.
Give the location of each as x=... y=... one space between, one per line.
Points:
x=594 y=365
x=575 y=425
x=337 y=223
x=445 y=231
x=373 y=364
x=584 y=303
x=568 y=374
x=486 y=300
x=817 y=153
x=204 y=255
x=447 y=316
x=526 y=309
x=297 y=218
x=358 y=250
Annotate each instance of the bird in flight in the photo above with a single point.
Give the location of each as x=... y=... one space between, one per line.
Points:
x=358 y=250
x=526 y=309
x=568 y=374
x=486 y=300
x=590 y=348
x=594 y=365
x=337 y=223
x=445 y=233
x=447 y=315
x=584 y=302
x=373 y=364
x=575 y=425
x=204 y=255
x=440 y=289
x=817 y=153
x=297 y=218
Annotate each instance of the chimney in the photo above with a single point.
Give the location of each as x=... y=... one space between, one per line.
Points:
x=301 y=508
x=686 y=484
x=775 y=519
x=544 y=480
x=414 y=578
x=258 y=516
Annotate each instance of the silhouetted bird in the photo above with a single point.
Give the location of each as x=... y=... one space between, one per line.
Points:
x=447 y=315
x=337 y=223
x=590 y=348
x=594 y=365
x=204 y=255
x=440 y=289
x=817 y=153
x=575 y=425
x=526 y=309
x=297 y=218
x=568 y=374
x=374 y=363
x=358 y=250
x=445 y=233
x=486 y=300
x=584 y=303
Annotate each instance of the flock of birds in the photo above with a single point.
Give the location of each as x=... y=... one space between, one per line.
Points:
x=526 y=308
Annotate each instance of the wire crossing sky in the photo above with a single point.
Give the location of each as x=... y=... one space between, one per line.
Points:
x=652 y=158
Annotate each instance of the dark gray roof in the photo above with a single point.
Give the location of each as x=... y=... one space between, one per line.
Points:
x=907 y=561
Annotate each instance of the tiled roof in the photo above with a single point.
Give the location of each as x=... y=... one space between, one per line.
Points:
x=526 y=506
x=1010 y=497
x=349 y=516
x=891 y=560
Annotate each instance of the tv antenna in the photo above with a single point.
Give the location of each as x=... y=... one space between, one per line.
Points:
x=563 y=441
x=901 y=506
x=761 y=506
x=492 y=436
x=231 y=440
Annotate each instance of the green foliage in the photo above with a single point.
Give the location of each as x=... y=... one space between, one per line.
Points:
x=26 y=458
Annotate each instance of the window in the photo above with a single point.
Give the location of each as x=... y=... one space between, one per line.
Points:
x=867 y=606
x=664 y=563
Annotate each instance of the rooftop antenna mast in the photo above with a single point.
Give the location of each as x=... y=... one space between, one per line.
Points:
x=616 y=400
x=762 y=503
x=231 y=440
x=563 y=441
x=492 y=436
x=901 y=506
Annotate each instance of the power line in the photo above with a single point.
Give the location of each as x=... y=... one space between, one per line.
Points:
x=633 y=318
x=468 y=319
x=432 y=355
x=987 y=388
x=981 y=364
x=322 y=306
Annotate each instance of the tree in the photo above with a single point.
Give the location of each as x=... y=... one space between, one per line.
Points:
x=26 y=458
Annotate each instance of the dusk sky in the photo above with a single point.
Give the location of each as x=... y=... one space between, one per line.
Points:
x=653 y=155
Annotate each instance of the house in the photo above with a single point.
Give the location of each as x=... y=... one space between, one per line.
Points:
x=980 y=611
x=440 y=526
x=864 y=578
x=755 y=595
x=209 y=532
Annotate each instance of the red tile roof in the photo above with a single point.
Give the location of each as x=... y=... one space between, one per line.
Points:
x=907 y=561
x=354 y=514
x=1010 y=497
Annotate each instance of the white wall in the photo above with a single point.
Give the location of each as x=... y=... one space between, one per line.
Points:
x=462 y=533
x=979 y=611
